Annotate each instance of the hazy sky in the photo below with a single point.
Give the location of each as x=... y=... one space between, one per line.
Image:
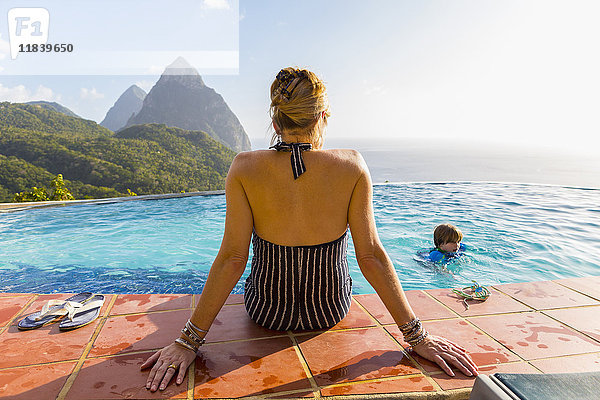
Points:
x=115 y=37
x=511 y=71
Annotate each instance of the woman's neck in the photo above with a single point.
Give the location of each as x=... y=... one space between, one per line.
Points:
x=315 y=140
x=288 y=138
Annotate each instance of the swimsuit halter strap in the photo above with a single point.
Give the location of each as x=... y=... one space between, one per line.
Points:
x=298 y=167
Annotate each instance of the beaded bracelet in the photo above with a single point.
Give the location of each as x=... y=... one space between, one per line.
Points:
x=419 y=339
x=413 y=332
x=407 y=327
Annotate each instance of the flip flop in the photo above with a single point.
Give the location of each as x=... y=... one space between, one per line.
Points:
x=83 y=315
x=53 y=311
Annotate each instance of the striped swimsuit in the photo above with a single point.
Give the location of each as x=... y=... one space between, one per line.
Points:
x=298 y=287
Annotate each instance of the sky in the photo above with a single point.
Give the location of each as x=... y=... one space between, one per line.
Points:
x=510 y=73
x=107 y=39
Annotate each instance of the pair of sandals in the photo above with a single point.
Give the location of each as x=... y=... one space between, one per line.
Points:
x=74 y=312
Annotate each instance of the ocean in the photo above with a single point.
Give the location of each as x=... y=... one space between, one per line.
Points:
x=435 y=161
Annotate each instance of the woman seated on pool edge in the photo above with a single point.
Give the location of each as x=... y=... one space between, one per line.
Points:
x=306 y=210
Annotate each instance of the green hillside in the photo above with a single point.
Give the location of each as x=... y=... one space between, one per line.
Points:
x=36 y=144
x=40 y=119
x=50 y=105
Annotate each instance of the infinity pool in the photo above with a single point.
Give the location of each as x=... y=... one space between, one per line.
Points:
x=514 y=233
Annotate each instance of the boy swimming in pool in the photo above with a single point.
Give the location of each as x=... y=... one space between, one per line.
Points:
x=447 y=239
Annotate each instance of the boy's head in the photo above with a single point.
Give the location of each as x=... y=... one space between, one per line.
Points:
x=446 y=233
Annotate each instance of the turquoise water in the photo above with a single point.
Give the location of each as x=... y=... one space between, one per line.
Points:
x=514 y=233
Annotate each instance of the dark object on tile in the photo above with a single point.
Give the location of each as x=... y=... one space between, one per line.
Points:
x=501 y=386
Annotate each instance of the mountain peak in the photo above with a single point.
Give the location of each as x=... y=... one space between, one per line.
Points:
x=130 y=102
x=136 y=91
x=181 y=99
x=180 y=67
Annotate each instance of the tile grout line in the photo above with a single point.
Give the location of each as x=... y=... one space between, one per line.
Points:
x=244 y=340
x=164 y=311
x=534 y=310
x=373 y=318
x=274 y=395
x=404 y=351
x=534 y=367
x=153 y=350
x=149 y=312
x=482 y=315
x=440 y=372
x=192 y=368
x=440 y=303
x=71 y=379
x=19 y=313
x=521 y=358
x=313 y=383
x=191 y=379
x=495 y=340
x=450 y=394
x=515 y=299
x=435 y=385
x=363 y=308
x=318 y=332
x=567 y=356
x=192 y=305
x=37 y=365
x=110 y=306
x=577 y=291
x=271 y=396
x=531 y=310
x=569 y=307
x=570 y=327
x=382 y=379
x=460 y=317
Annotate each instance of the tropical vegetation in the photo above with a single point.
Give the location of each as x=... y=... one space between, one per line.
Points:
x=37 y=144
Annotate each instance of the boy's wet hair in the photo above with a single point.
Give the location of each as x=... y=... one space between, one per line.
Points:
x=446 y=233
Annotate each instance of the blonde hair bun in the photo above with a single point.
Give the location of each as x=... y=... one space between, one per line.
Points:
x=298 y=98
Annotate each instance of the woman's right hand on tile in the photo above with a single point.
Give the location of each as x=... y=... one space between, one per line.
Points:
x=443 y=352
x=160 y=375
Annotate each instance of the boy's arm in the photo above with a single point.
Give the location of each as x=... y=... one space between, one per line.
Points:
x=436 y=256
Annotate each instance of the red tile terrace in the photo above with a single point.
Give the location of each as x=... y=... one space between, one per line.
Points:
x=539 y=327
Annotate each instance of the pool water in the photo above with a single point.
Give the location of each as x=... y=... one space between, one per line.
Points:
x=514 y=233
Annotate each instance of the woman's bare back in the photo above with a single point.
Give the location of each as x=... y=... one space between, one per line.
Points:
x=312 y=209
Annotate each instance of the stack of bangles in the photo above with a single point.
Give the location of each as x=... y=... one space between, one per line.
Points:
x=192 y=340
x=413 y=332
